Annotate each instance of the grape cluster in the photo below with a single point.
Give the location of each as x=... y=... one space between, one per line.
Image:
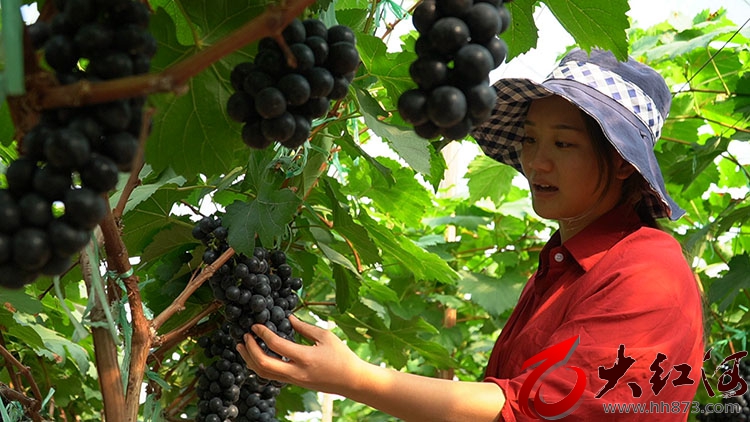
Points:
x=277 y=101
x=257 y=289
x=54 y=195
x=219 y=383
x=457 y=47
x=731 y=404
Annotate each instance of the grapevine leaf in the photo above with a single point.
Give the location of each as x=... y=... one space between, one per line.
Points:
x=412 y=197
x=354 y=150
x=167 y=240
x=346 y=286
x=144 y=191
x=337 y=258
x=523 y=33
x=20 y=301
x=55 y=345
x=411 y=147
x=489 y=179
x=353 y=18
x=191 y=132
x=592 y=25
x=266 y=217
x=7 y=132
x=368 y=104
x=494 y=295
x=151 y=216
x=344 y=224
x=724 y=290
x=679 y=48
x=425 y=265
x=390 y=69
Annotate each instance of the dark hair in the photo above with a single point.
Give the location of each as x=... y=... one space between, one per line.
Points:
x=634 y=188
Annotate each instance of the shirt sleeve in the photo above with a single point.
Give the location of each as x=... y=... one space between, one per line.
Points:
x=644 y=299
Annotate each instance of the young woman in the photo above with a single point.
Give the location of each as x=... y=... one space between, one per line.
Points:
x=612 y=316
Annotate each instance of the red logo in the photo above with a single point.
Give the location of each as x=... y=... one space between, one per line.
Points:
x=551 y=359
x=546 y=362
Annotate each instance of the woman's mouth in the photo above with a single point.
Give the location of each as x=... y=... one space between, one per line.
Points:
x=543 y=188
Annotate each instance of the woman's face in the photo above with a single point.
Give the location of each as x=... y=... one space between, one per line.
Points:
x=560 y=162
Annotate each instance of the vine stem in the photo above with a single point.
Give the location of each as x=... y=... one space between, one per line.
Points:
x=134 y=179
x=167 y=341
x=14 y=381
x=10 y=394
x=195 y=282
x=174 y=78
x=105 y=349
x=33 y=404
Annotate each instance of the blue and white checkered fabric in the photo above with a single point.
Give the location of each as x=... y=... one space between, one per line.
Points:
x=613 y=86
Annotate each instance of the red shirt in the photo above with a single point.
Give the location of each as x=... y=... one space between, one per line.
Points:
x=614 y=283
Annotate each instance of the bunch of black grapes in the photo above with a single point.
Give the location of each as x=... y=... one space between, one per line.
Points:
x=257 y=289
x=227 y=390
x=219 y=383
x=735 y=409
x=457 y=47
x=54 y=195
x=276 y=101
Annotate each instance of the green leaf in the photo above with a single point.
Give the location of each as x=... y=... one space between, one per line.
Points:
x=724 y=290
x=489 y=179
x=592 y=25
x=19 y=300
x=411 y=147
x=368 y=104
x=344 y=224
x=267 y=216
x=494 y=295
x=55 y=346
x=425 y=265
x=354 y=150
x=523 y=34
x=7 y=129
x=151 y=216
x=346 y=286
x=337 y=258
x=390 y=69
x=191 y=132
x=680 y=48
x=154 y=376
x=144 y=191
x=406 y=201
x=167 y=240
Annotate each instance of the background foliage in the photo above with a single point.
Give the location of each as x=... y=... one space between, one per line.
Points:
x=390 y=257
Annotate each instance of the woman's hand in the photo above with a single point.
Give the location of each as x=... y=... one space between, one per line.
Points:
x=328 y=365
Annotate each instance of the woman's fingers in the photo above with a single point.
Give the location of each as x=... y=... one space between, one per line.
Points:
x=264 y=365
x=309 y=331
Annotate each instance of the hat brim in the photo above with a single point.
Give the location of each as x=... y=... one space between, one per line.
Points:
x=500 y=136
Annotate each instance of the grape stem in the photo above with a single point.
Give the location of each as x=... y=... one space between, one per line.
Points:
x=14 y=380
x=9 y=395
x=174 y=78
x=33 y=405
x=134 y=178
x=167 y=341
x=105 y=349
x=195 y=282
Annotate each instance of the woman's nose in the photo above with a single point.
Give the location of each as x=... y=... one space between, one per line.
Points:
x=536 y=158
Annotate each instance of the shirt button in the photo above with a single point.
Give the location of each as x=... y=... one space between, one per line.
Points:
x=559 y=257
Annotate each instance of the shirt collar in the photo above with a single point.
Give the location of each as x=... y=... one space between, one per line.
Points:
x=589 y=245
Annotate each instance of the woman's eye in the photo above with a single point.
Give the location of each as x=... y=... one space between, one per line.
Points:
x=528 y=140
x=562 y=144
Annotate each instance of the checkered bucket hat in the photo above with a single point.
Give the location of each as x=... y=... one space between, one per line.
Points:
x=628 y=99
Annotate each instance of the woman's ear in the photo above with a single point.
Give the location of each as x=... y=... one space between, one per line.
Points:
x=623 y=169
